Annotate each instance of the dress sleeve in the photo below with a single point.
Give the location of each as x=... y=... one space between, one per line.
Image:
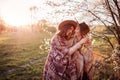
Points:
x=60 y=50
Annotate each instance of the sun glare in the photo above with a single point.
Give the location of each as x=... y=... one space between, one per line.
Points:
x=15 y=21
x=17 y=13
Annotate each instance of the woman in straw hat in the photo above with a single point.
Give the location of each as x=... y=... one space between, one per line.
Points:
x=58 y=58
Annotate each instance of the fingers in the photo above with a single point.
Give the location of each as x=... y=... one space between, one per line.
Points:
x=85 y=39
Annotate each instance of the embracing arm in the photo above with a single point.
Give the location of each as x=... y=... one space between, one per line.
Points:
x=60 y=51
x=77 y=45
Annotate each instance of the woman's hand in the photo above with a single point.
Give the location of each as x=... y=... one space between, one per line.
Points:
x=78 y=45
x=84 y=40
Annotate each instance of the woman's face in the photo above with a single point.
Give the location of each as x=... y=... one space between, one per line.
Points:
x=77 y=31
x=70 y=31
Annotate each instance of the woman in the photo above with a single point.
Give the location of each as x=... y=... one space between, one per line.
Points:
x=87 y=53
x=58 y=57
x=83 y=57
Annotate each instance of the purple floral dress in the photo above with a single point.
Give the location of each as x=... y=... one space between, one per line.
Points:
x=56 y=66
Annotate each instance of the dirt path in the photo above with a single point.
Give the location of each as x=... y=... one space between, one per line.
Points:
x=10 y=71
x=97 y=56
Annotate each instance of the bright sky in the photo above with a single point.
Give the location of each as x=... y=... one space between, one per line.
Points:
x=16 y=12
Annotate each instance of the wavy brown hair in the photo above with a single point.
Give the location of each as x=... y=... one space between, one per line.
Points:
x=63 y=31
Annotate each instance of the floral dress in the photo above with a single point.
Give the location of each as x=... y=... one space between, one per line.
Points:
x=56 y=65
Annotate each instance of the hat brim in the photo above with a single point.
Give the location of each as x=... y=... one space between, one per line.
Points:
x=72 y=22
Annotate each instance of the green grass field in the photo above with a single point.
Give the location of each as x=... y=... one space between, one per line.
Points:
x=23 y=54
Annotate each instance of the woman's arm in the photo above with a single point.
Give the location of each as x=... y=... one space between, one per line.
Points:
x=77 y=45
x=60 y=51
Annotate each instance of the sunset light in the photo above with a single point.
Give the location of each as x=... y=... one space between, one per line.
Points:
x=16 y=20
x=59 y=39
x=17 y=12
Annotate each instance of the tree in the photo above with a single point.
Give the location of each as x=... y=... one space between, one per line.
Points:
x=33 y=11
x=108 y=13
x=2 y=25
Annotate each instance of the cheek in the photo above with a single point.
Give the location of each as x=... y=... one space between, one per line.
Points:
x=70 y=31
x=77 y=31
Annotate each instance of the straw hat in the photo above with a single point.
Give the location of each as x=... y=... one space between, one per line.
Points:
x=67 y=22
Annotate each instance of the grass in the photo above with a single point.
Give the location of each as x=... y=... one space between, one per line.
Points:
x=103 y=46
x=21 y=57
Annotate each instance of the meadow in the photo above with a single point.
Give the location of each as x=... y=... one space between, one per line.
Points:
x=23 y=54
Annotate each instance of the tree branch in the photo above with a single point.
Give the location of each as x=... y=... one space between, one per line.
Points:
x=106 y=38
x=103 y=23
x=117 y=29
x=118 y=8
